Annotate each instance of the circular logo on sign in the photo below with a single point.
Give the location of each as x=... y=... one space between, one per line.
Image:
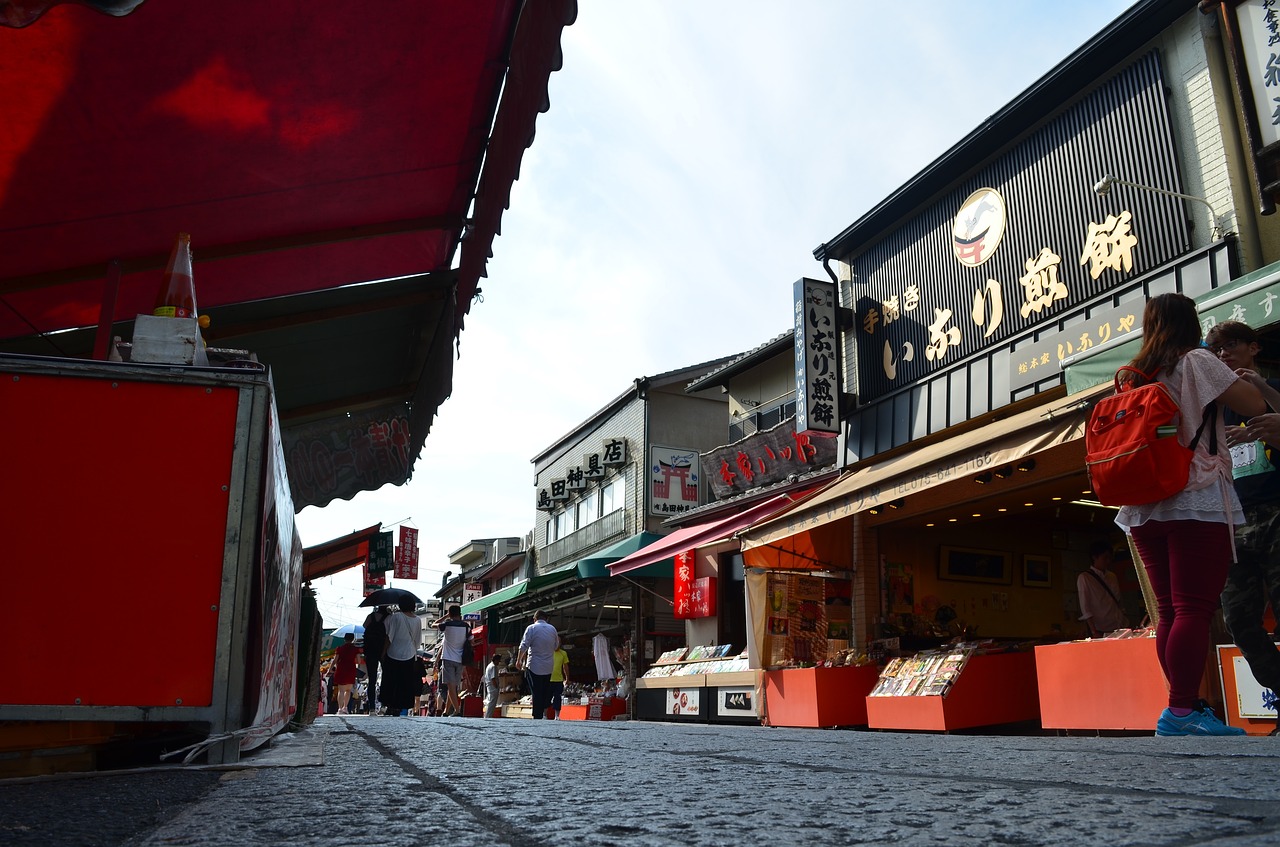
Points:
x=978 y=227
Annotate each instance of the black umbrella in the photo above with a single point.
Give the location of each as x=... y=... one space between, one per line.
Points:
x=389 y=597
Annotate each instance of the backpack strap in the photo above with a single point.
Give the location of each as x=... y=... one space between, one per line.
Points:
x=1210 y=414
x=1091 y=572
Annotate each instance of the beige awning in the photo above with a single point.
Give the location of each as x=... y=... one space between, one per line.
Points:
x=984 y=448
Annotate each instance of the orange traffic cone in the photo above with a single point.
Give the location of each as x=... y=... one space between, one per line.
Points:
x=177 y=295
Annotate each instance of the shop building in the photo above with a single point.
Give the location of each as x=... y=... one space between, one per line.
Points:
x=603 y=491
x=764 y=467
x=992 y=298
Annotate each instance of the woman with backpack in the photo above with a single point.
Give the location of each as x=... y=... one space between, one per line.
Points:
x=1186 y=540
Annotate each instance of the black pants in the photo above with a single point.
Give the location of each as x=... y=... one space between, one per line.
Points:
x=371 y=697
x=540 y=687
x=1253 y=580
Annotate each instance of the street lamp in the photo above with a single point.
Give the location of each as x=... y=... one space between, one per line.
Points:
x=1103 y=187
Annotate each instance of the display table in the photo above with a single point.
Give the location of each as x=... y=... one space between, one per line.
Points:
x=607 y=710
x=1111 y=684
x=991 y=690
x=818 y=697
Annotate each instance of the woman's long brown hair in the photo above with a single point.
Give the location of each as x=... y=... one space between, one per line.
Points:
x=1170 y=327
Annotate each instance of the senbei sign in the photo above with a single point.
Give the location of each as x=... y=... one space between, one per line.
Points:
x=817 y=358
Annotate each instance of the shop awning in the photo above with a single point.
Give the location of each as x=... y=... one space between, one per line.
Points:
x=343 y=177
x=511 y=592
x=1253 y=298
x=704 y=534
x=337 y=555
x=997 y=443
x=596 y=565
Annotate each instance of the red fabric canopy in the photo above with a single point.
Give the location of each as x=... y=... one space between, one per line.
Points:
x=700 y=535
x=304 y=147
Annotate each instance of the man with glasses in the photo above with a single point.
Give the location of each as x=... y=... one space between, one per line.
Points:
x=1255 y=576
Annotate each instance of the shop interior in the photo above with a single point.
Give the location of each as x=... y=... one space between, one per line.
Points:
x=996 y=553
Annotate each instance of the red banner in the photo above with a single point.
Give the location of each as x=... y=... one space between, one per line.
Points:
x=372 y=582
x=683 y=584
x=407 y=554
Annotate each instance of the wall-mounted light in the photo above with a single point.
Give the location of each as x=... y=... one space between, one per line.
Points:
x=983 y=478
x=896 y=504
x=1103 y=187
x=874 y=510
x=1027 y=465
x=1004 y=472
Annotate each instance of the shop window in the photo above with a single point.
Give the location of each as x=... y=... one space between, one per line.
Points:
x=588 y=508
x=613 y=496
x=564 y=523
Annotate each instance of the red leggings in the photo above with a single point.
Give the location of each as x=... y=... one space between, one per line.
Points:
x=1187 y=563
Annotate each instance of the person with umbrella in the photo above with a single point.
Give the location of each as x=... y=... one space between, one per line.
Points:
x=404 y=634
x=344 y=670
x=375 y=644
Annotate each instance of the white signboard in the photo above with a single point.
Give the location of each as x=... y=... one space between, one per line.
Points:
x=673 y=480
x=1259 y=31
x=1254 y=700
x=683 y=701
x=738 y=701
x=472 y=591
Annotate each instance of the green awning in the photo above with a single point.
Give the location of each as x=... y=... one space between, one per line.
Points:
x=501 y=595
x=1253 y=299
x=511 y=592
x=596 y=565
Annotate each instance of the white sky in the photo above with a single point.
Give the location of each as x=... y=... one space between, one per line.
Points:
x=694 y=155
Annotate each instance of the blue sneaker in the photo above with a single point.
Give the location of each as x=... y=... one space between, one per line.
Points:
x=1201 y=721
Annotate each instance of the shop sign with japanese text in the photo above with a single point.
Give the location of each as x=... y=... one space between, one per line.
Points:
x=765 y=458
x=818 y=383
x=673 y=480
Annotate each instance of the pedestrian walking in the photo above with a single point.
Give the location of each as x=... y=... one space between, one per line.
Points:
x=404 y=634
x=492 y=678
x=559 y=676
x=375 y=644
x=1186 y=540
x=344 y=671
x=537 y=647
x=454 y=634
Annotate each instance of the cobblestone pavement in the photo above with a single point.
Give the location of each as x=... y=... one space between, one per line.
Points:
x=420 y=781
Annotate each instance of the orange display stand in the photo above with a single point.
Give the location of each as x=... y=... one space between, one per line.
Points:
x=990 y=690
x=1227 y=654
x=1103 y=684
x=817 y=697
x=595 y=711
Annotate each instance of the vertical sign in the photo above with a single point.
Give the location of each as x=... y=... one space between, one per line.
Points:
x=683 y=585
x=1259 y=33
x=702 y=597
x=817 y=358
x=382 y=551
x=673 y=480
x=407 y=554
x=372 y=581
x=471 y=592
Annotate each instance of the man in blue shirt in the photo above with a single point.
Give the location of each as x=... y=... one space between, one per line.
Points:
x=537 y=648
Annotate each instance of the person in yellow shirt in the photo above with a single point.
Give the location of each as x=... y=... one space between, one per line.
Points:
x=559 y=676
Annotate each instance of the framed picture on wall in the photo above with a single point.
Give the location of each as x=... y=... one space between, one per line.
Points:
x=965 y=564
x=1037 y=571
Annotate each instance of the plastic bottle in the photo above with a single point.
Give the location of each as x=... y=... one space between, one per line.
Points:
x=177 y=295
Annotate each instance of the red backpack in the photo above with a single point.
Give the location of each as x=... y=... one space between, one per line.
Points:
x=1131 y=447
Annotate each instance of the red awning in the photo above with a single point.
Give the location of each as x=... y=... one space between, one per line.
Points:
x=305 y=149
x=337 y=555
x=703 y=534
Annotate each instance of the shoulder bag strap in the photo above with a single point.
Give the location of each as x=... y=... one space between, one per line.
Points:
x=1091 y=572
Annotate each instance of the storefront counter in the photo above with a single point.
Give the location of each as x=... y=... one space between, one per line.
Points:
x=1111 y=684
x=991 y=690
x=818 y=697
x=684 y=699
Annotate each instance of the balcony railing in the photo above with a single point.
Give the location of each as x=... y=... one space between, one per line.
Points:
x=592 y=535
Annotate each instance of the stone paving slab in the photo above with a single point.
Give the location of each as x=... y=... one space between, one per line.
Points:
x=419 y=781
